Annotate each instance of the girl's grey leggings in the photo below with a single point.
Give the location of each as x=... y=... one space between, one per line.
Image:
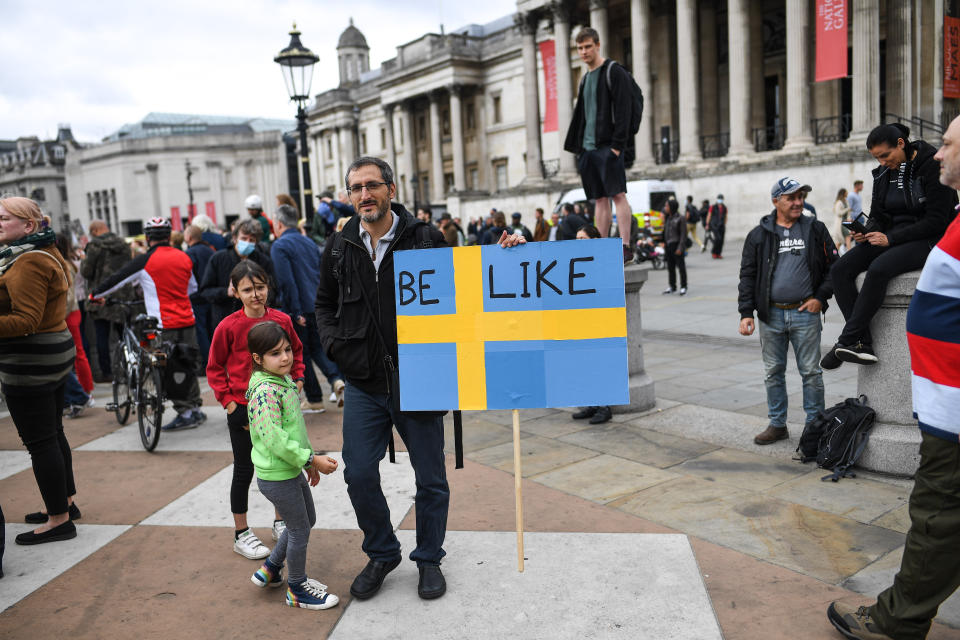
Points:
x=295 y=505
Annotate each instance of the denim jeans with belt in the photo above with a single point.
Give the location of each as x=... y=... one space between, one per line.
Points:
x=802 y=330
x=367 y=422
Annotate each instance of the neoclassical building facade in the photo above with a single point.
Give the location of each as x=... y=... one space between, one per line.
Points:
x=469 y=119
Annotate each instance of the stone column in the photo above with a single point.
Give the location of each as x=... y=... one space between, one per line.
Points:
x=348 y=148
x=409 y=149
x=531 y=97
x=598 y=21
x=640 y=45
x=337 y=162
x=738 y=45
x=866 y=69
x=899 y=58
x=757 y=107
x=641 y=385
x=483 y=165
x=894 y=439
x=561 y=36
x=436 y=151
x=456 y=133
x=798 y=74
x=687 y=81
x=391 y=144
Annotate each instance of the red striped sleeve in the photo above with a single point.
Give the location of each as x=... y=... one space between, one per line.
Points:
x=938 y=362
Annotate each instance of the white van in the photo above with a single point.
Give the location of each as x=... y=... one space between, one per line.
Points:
x=646 y=198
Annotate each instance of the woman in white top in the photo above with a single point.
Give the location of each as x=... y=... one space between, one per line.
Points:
x=840 y=212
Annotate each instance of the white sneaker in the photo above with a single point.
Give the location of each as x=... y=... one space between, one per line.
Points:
x=249 y=546
x=91 y=402
x=683 y=291
x=311 y=407
x=278 y=527
x=338 y=386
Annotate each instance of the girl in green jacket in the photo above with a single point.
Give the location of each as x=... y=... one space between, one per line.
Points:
x=281 y=452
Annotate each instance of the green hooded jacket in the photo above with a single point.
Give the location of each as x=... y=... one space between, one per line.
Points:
x=277 y=430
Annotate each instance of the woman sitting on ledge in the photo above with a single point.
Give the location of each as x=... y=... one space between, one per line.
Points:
x=909 y=212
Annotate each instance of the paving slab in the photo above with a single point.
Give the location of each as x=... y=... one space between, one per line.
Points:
x=650 y=587
x=743 y=469
x=477 y=433
x=211 y=435
x=94 y=423
x=638 y=444
x=208 y=504
x=538 y=455
x=897 y=519
x=12 y=462
x=858 y=498
x=604 y=478
x=28 y=568
x=553 y=426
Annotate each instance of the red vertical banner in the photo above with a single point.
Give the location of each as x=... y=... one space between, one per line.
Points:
x=191 y=211
x=548 y=54
x=175 y=220
x=212 y=211
x=831 y=39
x=951 y=57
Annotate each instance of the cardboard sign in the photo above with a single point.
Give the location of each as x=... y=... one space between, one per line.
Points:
x=539 y=325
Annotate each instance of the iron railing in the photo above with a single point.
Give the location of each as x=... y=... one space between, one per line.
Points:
x=768 y=138
x=715 y=145
x=831 y=129
x=919 y=128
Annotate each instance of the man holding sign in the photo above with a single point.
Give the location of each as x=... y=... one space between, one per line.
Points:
x=356 y=318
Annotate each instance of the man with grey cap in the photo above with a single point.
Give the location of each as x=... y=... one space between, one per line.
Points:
x=785 y=278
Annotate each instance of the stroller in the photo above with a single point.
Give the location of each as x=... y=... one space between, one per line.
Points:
x=648 y=251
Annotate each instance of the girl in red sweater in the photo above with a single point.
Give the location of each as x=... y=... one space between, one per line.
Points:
x=228 y=374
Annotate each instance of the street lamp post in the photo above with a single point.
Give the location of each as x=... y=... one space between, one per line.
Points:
x=297 y=62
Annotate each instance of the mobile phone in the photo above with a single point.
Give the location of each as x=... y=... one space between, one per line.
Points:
x=855 y=225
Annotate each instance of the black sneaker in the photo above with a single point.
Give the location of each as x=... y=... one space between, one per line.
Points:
x=857 y=354
x=830 y=360
x=602 y=415
x=585 y=412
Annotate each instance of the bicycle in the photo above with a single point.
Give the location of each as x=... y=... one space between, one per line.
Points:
x=137 y=360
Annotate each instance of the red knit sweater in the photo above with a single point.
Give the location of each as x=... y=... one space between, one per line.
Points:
x=228 y=367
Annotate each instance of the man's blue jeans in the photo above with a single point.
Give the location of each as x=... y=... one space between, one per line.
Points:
x=73 y=393
x=802 y=330
x=313 y=353
x=367 y=422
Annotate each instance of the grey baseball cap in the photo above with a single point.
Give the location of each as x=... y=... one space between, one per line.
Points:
x=788 y=185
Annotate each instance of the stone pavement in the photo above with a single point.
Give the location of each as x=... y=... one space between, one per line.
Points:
x=665 y=524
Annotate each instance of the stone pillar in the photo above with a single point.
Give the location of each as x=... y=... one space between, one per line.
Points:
x=391 y=144
x=531 y=97
x=738 y=45
x=348 y=149
x=757 y=107
x=899 y=58
x=483 y=166
x=409 y=149
x=866 y=69
x=337 y=155
x=798 y=74
x=456 y=132
x=598 y=21
x=895 y=439
x=687 y=72
x=641 y=385
x=561 y=36
x=640 y=44
x=436 y=151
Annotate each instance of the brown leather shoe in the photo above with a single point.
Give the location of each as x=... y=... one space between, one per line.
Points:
x=771 y=434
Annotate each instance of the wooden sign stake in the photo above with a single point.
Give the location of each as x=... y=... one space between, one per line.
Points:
x=517 y=479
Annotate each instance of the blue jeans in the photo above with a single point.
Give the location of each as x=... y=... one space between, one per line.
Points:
x=73 y=393
x=367 y=423
x=313 y=353
x=802 y=330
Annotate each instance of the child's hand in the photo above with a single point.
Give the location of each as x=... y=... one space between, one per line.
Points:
x=313 y=476
x=324 y=464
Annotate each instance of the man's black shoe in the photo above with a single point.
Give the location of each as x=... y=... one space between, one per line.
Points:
x=858 y=353
x=602 y=415
x=585 y=412
x=432 y=583
x=830 y=360
x=368 y=582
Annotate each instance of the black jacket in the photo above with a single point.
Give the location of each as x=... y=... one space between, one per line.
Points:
x=569 y=225
x=931 y=205
x=347 y=331
x=607 y=134
x=216 y=281
x=760 y=251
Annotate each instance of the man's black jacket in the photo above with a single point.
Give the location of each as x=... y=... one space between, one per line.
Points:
x=607 y=134
x=569 y=225
x=930 y=204
x=346 y=330
x=760 y=251
x=216 y=281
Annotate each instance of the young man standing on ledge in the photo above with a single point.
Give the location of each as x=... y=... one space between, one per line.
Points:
x=600 y=135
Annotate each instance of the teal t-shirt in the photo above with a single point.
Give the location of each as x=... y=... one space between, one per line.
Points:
x=590 y=109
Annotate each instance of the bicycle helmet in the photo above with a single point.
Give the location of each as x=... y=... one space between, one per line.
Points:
x=253 y=201
x=157 y=228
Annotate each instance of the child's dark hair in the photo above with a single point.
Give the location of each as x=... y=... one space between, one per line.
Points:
x=248 y=269
x=890 y=134
x=263 y=337
x=591 y=231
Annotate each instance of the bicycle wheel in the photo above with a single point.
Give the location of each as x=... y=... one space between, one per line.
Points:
x=150 y=406
x=121 y=386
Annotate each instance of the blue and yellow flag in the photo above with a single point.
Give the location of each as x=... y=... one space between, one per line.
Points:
x=539 y=325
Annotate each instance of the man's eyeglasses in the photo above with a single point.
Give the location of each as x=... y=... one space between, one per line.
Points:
x=357 y=189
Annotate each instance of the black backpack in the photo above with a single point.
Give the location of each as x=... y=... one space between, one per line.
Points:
x=837 y=437
x=636 y=98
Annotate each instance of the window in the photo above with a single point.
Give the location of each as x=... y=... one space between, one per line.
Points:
x=474 y=179
x=448 y=183
x=383 y=137
x=421 y=128
x=471 y=117
x=363 y=143
x=58 y=153
x=132 y=227
x=425 y=194
x=496 y=109
x=445 y=121
x=329 y=148
x=500 y=170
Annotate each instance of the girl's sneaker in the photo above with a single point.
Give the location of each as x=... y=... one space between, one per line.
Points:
x=269 y=575
x=249 y=546
x=310 y=594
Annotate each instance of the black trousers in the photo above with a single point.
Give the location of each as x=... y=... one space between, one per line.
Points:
x=242 y=464
x=718 y=233
x=881 y=264
x=673 y=262
x=103 y=329
x=39 y=420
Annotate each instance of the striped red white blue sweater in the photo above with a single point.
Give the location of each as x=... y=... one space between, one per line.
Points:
x=933 y=334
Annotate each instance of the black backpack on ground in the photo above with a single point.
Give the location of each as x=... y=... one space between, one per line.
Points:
x=837 y=437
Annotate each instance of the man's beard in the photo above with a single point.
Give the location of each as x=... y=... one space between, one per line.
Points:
x=376 y=217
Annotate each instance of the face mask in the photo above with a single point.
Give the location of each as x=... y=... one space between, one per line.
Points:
x=719 y=200
x=245 y=248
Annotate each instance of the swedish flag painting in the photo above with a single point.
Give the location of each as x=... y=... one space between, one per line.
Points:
x=539 y=325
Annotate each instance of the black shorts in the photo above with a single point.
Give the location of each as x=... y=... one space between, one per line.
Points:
x=602 y=173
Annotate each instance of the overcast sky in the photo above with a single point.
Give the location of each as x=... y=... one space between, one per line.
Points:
x=100 y=65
